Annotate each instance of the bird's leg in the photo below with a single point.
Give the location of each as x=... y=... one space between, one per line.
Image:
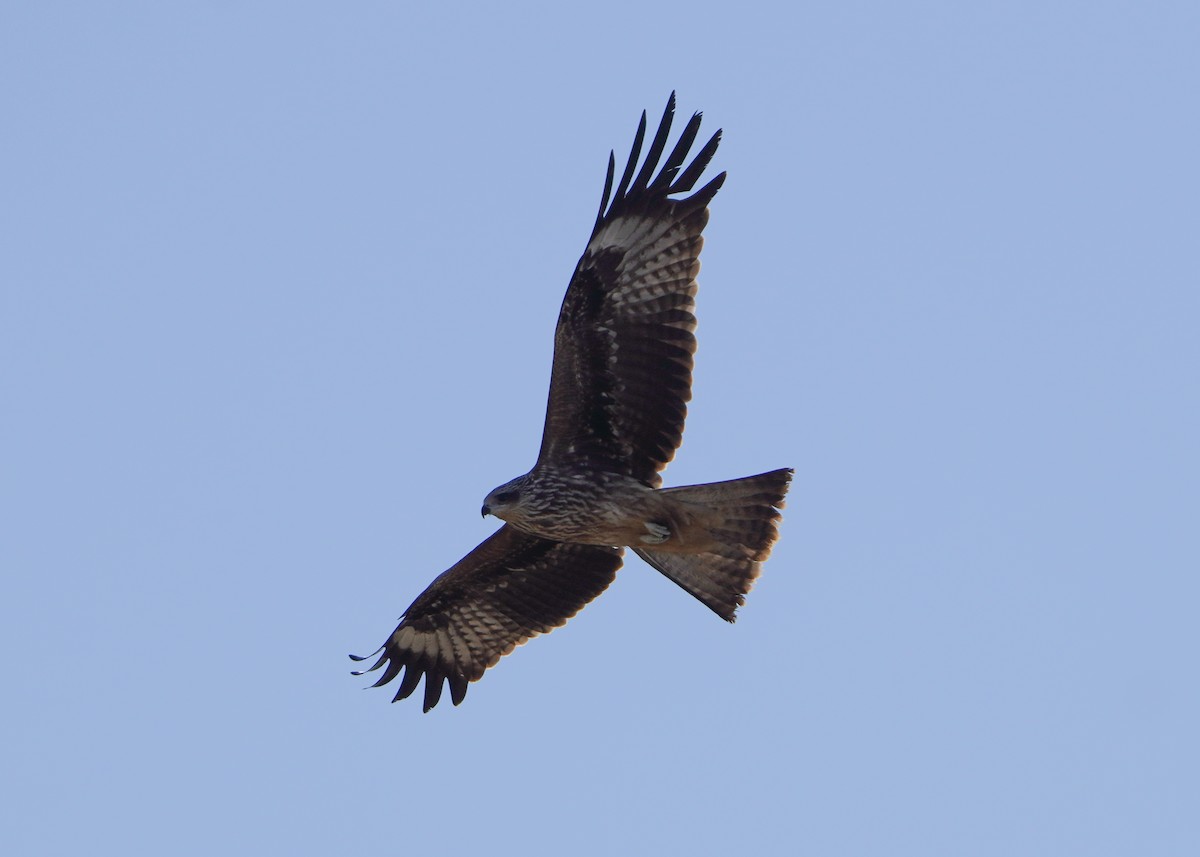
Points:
x=656 y=533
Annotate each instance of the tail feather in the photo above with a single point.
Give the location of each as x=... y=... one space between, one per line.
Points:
x=741 y=517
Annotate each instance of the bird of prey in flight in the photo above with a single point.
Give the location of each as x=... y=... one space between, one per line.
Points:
x=619 y=388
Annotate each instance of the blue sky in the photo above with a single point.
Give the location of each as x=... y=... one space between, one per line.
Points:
x=277 y=290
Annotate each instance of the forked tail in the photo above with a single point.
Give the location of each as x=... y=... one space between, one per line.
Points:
x=743 y=526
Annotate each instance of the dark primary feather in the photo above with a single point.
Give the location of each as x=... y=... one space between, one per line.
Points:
x=623 y=347
x=634 y=152
x=512 y=587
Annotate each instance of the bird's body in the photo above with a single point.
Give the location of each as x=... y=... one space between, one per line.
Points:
x=591 y=508
x=619 y=388
x=599 y=508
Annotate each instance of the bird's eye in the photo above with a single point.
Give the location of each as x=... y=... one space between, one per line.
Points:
x=508 y=496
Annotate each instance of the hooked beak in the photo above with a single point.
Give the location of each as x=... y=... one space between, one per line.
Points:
x=486 y=510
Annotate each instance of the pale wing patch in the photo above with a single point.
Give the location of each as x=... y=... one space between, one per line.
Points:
x=631 y=234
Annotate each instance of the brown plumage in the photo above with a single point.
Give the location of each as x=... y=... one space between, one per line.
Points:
x=619 y=389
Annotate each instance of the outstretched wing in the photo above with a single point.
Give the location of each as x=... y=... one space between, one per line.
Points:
x=512 y=587
x=623 y=347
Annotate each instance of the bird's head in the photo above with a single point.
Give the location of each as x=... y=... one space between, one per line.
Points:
x=504 y=502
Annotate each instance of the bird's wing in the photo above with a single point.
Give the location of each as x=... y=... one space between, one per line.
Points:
x=623 y=347
x=511 y=587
